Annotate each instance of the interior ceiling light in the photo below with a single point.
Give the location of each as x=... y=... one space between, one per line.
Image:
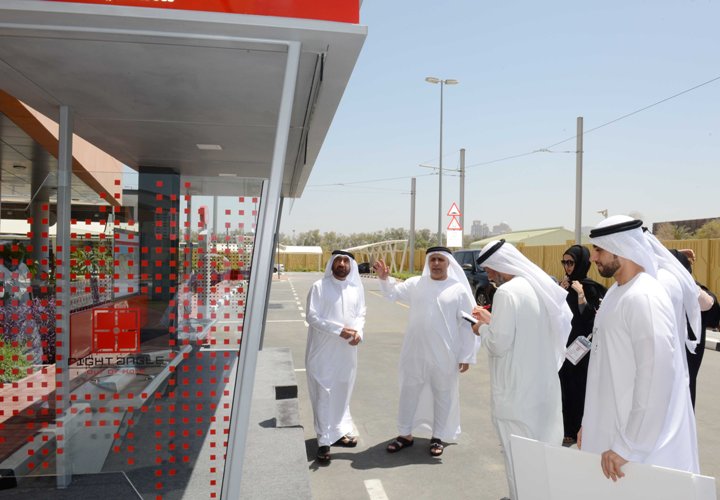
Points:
x=20 y=167
x=227 y=175
x=209 y=147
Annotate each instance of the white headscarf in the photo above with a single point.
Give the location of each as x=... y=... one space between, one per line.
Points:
x=353 y=277
x=507 y=259
x=667 y=261
x=455 y=271
x=629 y=244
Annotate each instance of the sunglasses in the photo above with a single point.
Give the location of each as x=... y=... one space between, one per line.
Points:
x=567 y=262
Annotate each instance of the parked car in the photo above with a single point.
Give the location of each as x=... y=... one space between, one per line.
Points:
x=477 y=277
x=280 y=267
x=364 y=268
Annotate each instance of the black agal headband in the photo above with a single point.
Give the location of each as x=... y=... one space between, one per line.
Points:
x=437 y=249
x=490 y=251
x=343 y=252
x=616 y=228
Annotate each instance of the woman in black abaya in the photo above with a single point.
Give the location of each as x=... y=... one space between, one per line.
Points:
x=584 y=297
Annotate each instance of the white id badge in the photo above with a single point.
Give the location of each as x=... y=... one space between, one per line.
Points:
x=578 y=349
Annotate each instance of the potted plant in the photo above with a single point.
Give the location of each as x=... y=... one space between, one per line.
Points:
x=13 y=364
x=17 y=321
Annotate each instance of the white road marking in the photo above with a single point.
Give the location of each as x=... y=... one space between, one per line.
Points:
x=398 y=303
x=375 y=489
x=284 y=320
x=299 y=369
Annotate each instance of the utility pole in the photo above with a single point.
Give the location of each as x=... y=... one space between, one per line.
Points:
x=411 y=239
x=440 y=207
x=462 y=190
x=578 y=180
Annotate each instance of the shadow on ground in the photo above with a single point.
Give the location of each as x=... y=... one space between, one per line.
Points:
x=377 y=457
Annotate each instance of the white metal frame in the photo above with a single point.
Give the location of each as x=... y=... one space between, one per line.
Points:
x=259 y=285
x=385 y=250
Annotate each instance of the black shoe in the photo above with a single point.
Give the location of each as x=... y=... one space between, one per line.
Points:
x=323 y=454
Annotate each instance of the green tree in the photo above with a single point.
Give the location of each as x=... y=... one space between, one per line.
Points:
x=710 y=229
x=310 y=238
x=397 y=233
x=424 y=238
x=467 y=239
x=332 y=241
x=670 y=231
x=285 y=239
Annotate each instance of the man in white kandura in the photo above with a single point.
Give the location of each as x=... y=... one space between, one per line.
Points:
x=336 y=315
x=525 y=337
x=682 y=290
x=438 y=345
x=637 y=403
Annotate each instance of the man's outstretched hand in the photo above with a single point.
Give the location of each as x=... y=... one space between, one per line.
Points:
x=381 y=269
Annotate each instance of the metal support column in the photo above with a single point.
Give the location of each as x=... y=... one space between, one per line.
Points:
x=62 y=296
x=39 y=212
x=259 y=284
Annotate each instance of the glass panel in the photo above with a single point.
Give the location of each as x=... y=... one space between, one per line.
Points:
x=159 y=273
x=27 y=320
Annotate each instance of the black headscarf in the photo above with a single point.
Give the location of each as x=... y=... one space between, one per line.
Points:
x=683 y=259
x=581 y=256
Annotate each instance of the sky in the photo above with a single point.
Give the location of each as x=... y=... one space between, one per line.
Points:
x=526 y=71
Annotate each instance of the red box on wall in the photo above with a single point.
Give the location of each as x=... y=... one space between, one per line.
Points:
x=116 y=330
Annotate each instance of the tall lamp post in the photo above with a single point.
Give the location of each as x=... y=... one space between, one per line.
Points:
x=432 y=79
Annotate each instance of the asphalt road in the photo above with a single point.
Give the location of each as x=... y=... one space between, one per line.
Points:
x=473 y=467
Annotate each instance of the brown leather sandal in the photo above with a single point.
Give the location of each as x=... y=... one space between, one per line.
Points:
x=436 y=447
x=398 y=444
x=346 y=441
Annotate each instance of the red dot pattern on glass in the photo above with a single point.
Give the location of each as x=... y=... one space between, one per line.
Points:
x=148 y=389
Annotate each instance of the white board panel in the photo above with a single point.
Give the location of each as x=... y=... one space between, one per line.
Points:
x=547 y=472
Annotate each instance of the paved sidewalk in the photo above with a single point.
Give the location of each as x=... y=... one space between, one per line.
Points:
x=471 y=468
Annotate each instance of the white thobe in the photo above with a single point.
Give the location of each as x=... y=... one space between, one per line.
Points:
x=637 y=401
x=674 y=290
x=525 y=385
x=330 y=361
x=436 y=341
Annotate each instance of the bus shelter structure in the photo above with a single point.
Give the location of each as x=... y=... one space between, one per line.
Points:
x=206 y=103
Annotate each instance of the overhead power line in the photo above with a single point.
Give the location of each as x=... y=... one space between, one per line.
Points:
x=547 y=149
x=638 y=110
x=367 y=181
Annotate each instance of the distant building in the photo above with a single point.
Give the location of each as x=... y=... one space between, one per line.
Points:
x=501 y=228
x=544 y=236
x=479 y=229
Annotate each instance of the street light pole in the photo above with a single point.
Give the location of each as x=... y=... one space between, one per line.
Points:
x=578 y=180
x=411 y=242
x=432 y=79
x=462 y=190
x=440 y=207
